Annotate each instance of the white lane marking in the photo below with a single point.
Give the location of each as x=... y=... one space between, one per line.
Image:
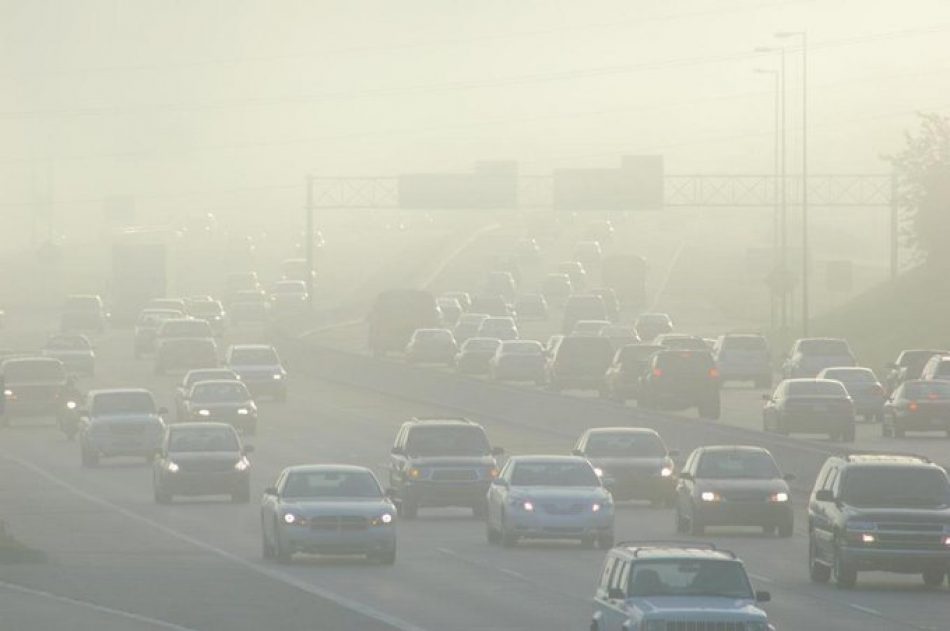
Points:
x=517 y=575
x=867 y=610
x=760 y=578
x=287 y=579
x=93 y=607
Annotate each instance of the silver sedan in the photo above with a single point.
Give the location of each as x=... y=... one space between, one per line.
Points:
x=549 y=497
x=328 y=509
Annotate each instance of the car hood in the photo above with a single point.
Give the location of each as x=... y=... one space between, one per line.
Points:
x=559 y=492
x=770 y=485
x=241 y=368
x=646 y=464
x=454 y=461
x=127 y=418
x=204 y=456
x=699 y=607
x=338 y=506
x=226 y=405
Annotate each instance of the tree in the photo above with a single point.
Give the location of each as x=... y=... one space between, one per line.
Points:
x=922 y=170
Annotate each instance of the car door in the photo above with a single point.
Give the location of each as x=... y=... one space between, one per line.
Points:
x=824 y=514
x=684 y=487
x=608 y=612
x=498 y=495
x=270 y=506
x=398 y=459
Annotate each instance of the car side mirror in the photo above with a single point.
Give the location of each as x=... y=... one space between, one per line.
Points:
x=248 y=449
x=789 y=477
x=615 y=593
x=162 y=411
x=577 y=452
x=763 y=597
x=271 y=490
x=686 y=475
x=825 y=495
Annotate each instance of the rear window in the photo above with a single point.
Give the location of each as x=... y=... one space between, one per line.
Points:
x=744 y=343
x=851 y=376
x=824 y=347
x=911 y=487
x=685 y=342
x=260 y=356
x=737 y=464
x=480 y=344
x=943 y=368
x=29 y=370
x=185 y=328
x=923 y=389
x=816 y=388
x=123 y=403
x=637 y=353
x=206 y=308
x=521 y=348
x=585 y=349
x=685 y=362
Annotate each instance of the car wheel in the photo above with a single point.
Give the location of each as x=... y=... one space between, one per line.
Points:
x=817 y=571
x=933 y=577
x=508 y=538
x=846 y=576
x=267 y=550
x=491 y=535
x=408 y=509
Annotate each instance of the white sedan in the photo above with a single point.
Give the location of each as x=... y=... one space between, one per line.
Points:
x=549 y=497
x=328 y=509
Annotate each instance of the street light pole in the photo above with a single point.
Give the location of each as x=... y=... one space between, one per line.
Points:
x=805 y=304
x=308 y=235
x=783 y=188
x=775 y=171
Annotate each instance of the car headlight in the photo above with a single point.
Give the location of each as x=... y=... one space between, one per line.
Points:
x=204 y=412
x=8 y=393
x=595 y=507
x=599 y=472
x=278 y=377
x=293 y=520
x=780 y=496
x=666 y=472
x=172 y=467
x=71 y=405
x=383 y=520
x=242 y=465
x=492 y=473
x=528 y=506
x=710 y=496
x=414 y=473
x=243 y=411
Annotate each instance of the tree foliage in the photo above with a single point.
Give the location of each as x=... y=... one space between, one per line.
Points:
x=922 y=170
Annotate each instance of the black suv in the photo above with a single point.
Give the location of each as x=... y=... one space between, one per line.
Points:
x=441 y=462
x=879 y=512
x=680 y=379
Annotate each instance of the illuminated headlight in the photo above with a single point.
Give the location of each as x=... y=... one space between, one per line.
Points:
x=242 y=465
x=204 y=412
x=383 y=520
x=781 y=496
x=414 y=473
x=595 y=507
x=492 y=473
x=946 y=540
x=278 y=377
x=867 y=537
x=8 y=393
x=243 y=411
x=599 y=472
x=71 y=405
x=527 y=506
x=710 y=496
x=290 y=519
x=172 y=467
x=666 y=472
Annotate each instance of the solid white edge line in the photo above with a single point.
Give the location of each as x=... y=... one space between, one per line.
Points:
x=342 y=601
x=867 y=610
x=93 y=607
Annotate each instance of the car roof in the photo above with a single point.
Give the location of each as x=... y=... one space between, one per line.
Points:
x=99 y=391
x=672 y=550
x=886 y=459
x=216 y=382
x=31 y=358
x=725 y=448
x=622 y=430
x=422 y=421
x=200 y=425
x=247 y=347
x=327 y=467
x=543 y=459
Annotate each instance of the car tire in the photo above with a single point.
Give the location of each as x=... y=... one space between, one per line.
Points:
x=933 y=577
x=817 y=571
x=846 y=575
x=508 y=539
x=696 y=526
x=491 y=535
x=267 y=552
x=848 y=433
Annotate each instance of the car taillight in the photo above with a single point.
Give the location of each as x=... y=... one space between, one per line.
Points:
x=912 y=406
x=933 y=396
x=714 y=373
x=657 y=372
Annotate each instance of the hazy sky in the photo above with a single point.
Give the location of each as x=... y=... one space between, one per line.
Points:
x=225 y=105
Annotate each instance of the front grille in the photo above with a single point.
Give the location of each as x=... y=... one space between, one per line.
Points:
x=909 y=541
x=563 y=509
x=35 y=393
x=699 y=625
x=910 y=527
x=454 y=475
x=338 y=523
x=127 y=429
x=206 y=466
x=745 y=496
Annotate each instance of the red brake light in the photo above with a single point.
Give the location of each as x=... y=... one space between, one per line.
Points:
x=657 y=372
x=912 y=406
x=933 y=396
x=714 y=373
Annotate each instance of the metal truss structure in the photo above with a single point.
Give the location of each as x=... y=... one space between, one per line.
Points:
x=691 y=191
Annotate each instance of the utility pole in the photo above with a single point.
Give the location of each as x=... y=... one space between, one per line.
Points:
x=776 y=225
x=895 y=227
x=308 y=235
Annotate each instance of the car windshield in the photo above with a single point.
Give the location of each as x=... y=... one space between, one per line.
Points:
x=744 y=343
x=635 y=353
x=690 y=577
x=194 y=376
x=221 y=392
x=625 y=445
x=185 y=328
x=205 y=308
x=472 y=319
x=202 y=439
x=33 y=370
x=433 y=335
x=521 y=348
x=585 y=350
x=106 y=403
x=480 y=345
x=154 y=318
x=498 y=324
x=816 y=388
x=330 y=484
x=554 y=474
x=718 y=465
x=685 y=362
x=913 y=487
x=258 y=356
x=918 y=359
x=850 y=375
x=824 y=347
x=685 y=342
x=68 y=344
x=447 y=441
x=927 y=389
